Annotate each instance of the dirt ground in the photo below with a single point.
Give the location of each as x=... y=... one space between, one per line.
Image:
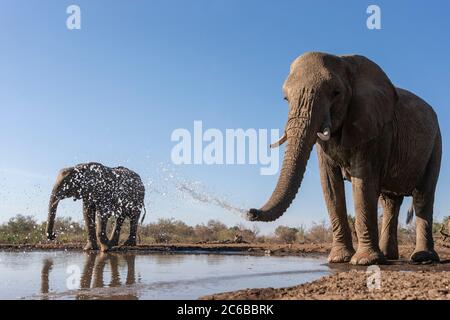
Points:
x=399 y=280
x=352 y=285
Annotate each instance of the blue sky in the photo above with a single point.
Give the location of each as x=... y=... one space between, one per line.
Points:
x=115 y=90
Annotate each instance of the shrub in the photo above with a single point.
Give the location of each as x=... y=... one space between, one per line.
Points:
x=319 y=233
x=286 y=234
x=167 y=230
x=21 y=230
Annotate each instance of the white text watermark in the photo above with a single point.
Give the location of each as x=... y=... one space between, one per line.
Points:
x=373 y=22
x=373 y=278
x=232 y=147
x=73 y=21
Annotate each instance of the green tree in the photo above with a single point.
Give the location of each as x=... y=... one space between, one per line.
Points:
x=21 y=230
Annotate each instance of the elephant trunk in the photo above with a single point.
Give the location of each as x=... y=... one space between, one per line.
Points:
x=301 y=133
x=52 y=206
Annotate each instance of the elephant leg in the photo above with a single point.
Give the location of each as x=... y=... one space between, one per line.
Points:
x=102 y=220
x=365 y=198
x=334 y=194
x=423 y=202
x=131 y=275
x=424 y=251
x=388 y=241
x=115 y=234
x=99 y=270
x=115 y=274
x=89 y=220
x=45 y=274
x=134 y=220
x=86 y=276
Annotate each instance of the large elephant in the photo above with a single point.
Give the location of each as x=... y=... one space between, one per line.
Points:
x=385 y=140
x=106 y=192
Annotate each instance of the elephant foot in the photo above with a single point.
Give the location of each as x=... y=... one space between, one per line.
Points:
x=114 y=243
x=390 y=252
x=424 y=256
x=367 y=257
x=340 y=254
x=51 y=236
x=104 y=247
x=130 y=243
x=90 y=246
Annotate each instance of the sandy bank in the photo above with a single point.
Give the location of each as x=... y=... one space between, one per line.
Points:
x=243 y=248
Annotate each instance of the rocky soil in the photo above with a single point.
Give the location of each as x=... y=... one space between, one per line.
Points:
x=352 y=285
x=399 y=280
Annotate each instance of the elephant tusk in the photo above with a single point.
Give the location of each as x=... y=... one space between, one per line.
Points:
x=279 y=142
x=325 y=135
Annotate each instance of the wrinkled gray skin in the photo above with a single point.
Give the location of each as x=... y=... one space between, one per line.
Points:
x=385 y=140
x=106 y=192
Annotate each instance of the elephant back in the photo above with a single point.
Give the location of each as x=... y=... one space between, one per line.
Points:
x=129 y=188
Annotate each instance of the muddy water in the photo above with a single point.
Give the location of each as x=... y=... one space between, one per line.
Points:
x=78 y=275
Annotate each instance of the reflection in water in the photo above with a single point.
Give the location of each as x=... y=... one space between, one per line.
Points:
x=145 y=275
x=211 y=260
x=168 y=260
x=46 y=268
x=179 y=259
x=93 y=274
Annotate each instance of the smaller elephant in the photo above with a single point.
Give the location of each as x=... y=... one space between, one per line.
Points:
x=106 y=192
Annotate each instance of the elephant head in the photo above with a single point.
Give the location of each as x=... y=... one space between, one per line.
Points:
x=66 y=186
x=74 y=182
x=344 y=100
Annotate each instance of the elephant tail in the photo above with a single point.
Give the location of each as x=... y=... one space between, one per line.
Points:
x=143 y=216
x=410 y=214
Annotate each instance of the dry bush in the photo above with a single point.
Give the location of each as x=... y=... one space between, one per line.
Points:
x=25 y=230
x=319 y=233
x=165 y=231
x=286 y=234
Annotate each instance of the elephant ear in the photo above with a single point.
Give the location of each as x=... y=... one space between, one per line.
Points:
x=372 y=103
